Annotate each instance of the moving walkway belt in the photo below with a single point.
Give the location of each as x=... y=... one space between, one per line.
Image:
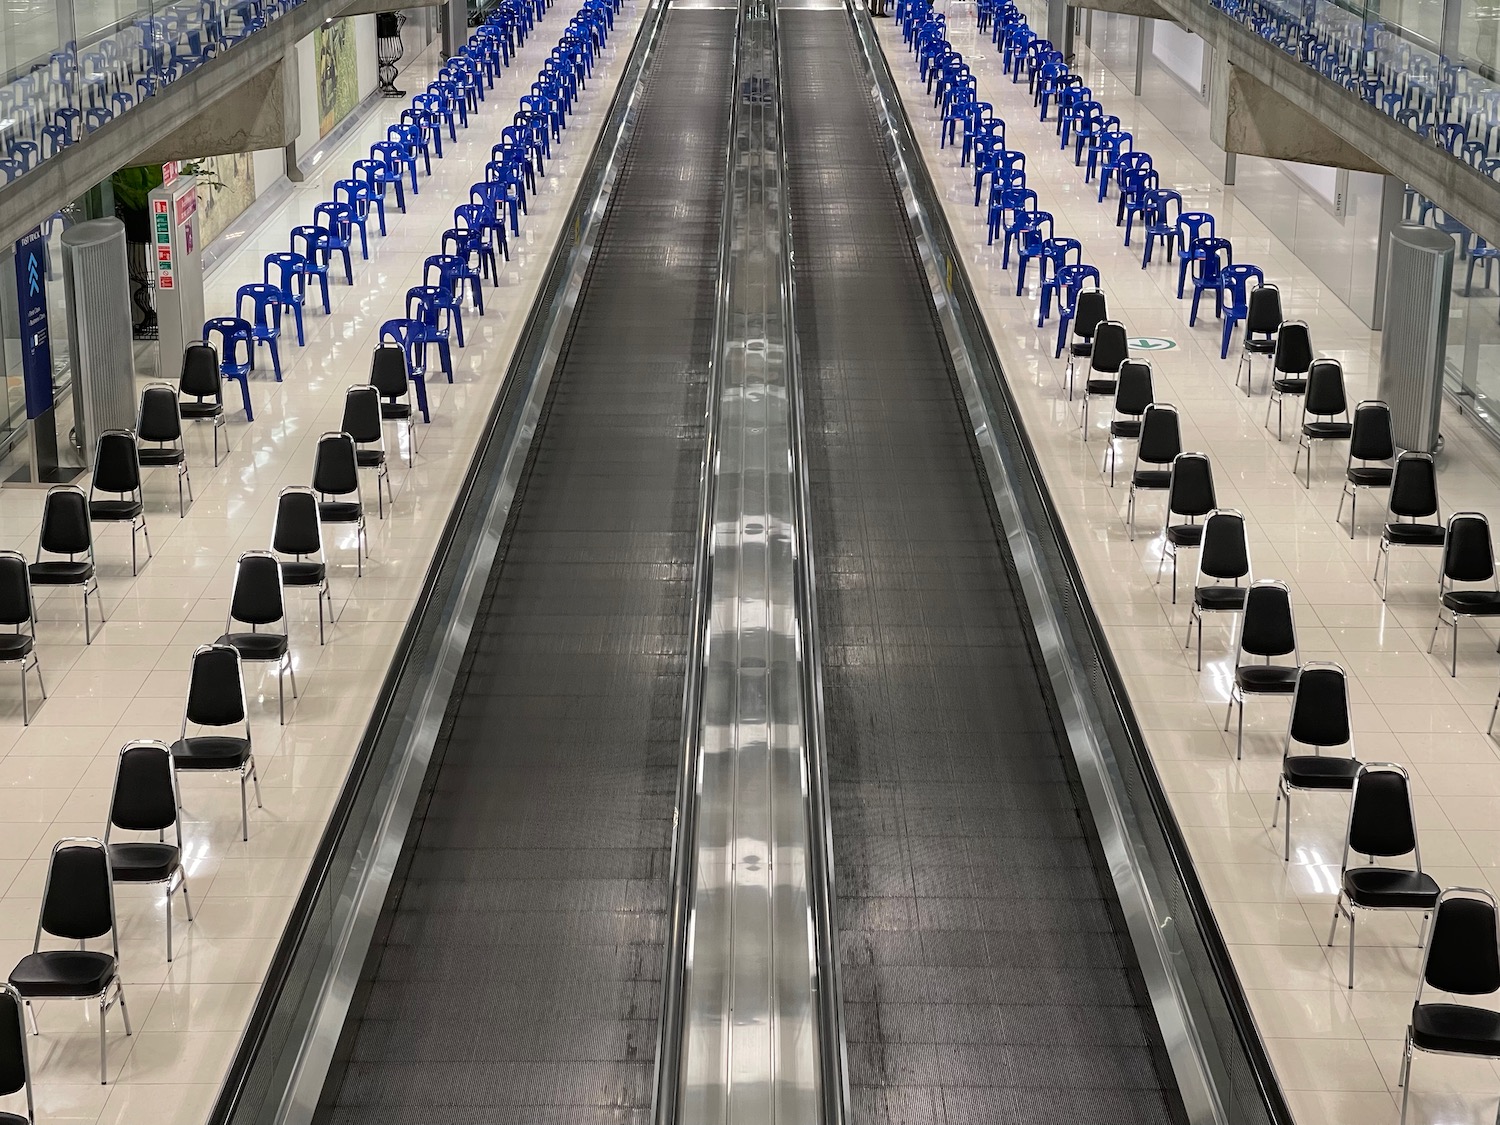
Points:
x=515 y=974
x=986 y=970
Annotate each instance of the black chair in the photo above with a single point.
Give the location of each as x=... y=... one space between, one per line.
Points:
x=1262 y=322
x=78 y=904
x=388 y=376
x=66 y=530
x=1133 y=393
x=1370 y=440
x=1469 y=557
x=18 y=609
x=1223 y=556
x=1382 y=825
x=1291 y=360
x=1158 y=447
x=258 y=601
x=15 y=1066
x=298 y=532
x=216 y=700
x=1190 y=494
x=117 y=473
x=1325 y=411
x=1320 y=719
x=1111 y=349
x=1462 y=959
x=202 y=391
x=160 y=424
x=362 y=422
x=145 y=800
x=1411 y=512
x=1090 y=311
x=1267 y=630
x=336 y=475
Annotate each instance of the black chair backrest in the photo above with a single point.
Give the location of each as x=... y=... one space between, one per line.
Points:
x=15 y=589
x=77 y=903
x=1325 y=389
x=257 y=596
x=388 y=370
x=1092 y=310
x=1161 y=439
x=65 y=522
x=12 y=1042
x=200 y=372
x=1372 y=439
x=1133 y=392
x=159 y=419
x=1191 y=490
x=1264 y=312
x=1268 y=628
x=335 y=469
x=1381 y=821
x=296 y=530
x=362 y=414
x=117 y=462
x=1468 y=554
x=145 y=799
x=1111 y=347
x=1320 y=706
x=216 y=693
x=1463 y=953
x=1414 y=486
x=1294 y=352
x=1225 y=552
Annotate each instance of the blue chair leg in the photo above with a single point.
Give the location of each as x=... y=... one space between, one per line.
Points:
x=327 y=305
x=274 y=345
x=1193 y=312
x=1229 y=323
x=348 y=266
x=419 y=383
x=458 y=327
x=301 y=336
x=445 y=355
x=1063 y=324
x=244 y=382
x=1182 y=271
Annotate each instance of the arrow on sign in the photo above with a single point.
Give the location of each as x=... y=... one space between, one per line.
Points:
x=33 y=275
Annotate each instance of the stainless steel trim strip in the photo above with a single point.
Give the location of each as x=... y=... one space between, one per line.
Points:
x=1150 y=925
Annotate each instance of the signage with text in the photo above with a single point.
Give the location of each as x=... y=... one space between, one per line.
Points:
x=36 y=347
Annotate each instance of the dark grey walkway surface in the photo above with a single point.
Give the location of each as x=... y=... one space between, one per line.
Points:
x=987 y=975
x=517 y=974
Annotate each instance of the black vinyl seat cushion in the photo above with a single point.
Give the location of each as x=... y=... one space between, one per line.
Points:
x=1290 y=386
x=63 y=972
x=1390 y=888
x=1220 y=599
x=1459 y=1028
x=1319 y=771
x=1260 y=347
x=392 y=411
x=60 y=572
x=1473 y=603
x=370 y=458
x=160 y=458
x=1082 y=348
x=1416 y=534
x=206 y=409
x=1185 y=534
x=1125 y=428
x=257 y=646
x=109 y=511
x=1370 y=476
x=15 y=646
x=1266 y=679
x=1152 y=478
x=1100 y=386
x=211 y=752
x=13 y=1119
x=143 y=862
x=1328 y=431
x=340 y=511
x=302 y=573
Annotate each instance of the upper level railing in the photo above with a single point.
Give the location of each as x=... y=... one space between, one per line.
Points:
x=69 y=67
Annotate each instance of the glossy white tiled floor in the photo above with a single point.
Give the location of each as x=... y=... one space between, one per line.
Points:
x=55 y=776
x=1336 y=1052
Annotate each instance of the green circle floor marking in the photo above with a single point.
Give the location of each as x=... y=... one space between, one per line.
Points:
x=1152 y=343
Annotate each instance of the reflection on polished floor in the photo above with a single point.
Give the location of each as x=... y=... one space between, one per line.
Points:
x=55 y=775
x=1336 y=1052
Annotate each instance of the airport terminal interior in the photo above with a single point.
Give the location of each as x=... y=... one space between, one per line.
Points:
x=731 y=562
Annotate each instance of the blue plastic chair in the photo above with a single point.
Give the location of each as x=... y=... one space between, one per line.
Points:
x=378 y=175
x=1009 y=201
x=413 y=141
x=435 y=310
x=291 y=283
x=1191 y=226
x=1234 y=283
x=1104 y=154
x=1206 y=259
x=455 y=274
x=1161 y=214
x=264 y=318
x=360 y=198
x=315 y=254
x=398 y=162
x=338 y=220
x=1071 y=281
x=1032 y=245
x=1053 y=259
x=236 y=352
x=1023 y=224
x=1482 y=252
x=412 y=340
x=1137 y=184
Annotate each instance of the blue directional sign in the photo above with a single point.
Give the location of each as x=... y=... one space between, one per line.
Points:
x=36 y=347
